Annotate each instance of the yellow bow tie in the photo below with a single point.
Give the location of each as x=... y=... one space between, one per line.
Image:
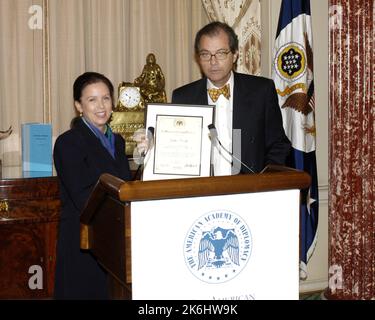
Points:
x=215 y=93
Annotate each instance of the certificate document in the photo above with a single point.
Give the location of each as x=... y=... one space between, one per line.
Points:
x=178 y=147
x=181 y=145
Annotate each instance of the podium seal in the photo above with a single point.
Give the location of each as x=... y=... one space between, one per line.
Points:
x=217 y=246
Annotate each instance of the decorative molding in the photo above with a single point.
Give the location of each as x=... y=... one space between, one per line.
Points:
x=4 y=209
x=46 y=65
x=323 y=194
x=244 y=17
x=313 y=286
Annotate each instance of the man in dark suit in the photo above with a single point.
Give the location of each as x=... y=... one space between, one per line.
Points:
x=246 y=105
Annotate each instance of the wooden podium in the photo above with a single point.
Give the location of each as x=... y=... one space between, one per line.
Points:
x=106 y=220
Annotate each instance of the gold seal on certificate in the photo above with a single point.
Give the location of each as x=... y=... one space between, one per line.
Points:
x=182 y=147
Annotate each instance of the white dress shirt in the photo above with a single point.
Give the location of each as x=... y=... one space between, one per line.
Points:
x=222 y=161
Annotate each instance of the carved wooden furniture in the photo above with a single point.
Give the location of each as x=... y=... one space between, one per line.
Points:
x=29 y=214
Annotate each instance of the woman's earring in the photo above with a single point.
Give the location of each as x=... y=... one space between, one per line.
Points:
x=80 y=114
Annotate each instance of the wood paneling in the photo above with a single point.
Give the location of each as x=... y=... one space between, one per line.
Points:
x=28 y=232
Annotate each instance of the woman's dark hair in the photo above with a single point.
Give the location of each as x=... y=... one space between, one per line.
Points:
x=82 y=82
x=213 y=29
x=89 y=78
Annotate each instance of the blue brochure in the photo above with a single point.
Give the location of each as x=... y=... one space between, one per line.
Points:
x=37 y=147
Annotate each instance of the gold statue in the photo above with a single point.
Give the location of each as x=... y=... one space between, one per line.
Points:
x=152 y=81
x=129 y=114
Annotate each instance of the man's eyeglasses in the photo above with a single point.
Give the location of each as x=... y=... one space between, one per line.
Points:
x=219 y=55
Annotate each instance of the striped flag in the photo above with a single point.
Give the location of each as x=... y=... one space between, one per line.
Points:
x=293 y=75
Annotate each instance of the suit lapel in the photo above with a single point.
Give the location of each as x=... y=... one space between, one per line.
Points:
x=201 y=92
x=237 y=98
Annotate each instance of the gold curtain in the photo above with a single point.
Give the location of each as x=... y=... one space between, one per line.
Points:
x=244 y=17
x=21 y=81
x=39 y=62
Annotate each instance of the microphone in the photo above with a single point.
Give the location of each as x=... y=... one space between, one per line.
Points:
x=150 y=135
x=141 y=159
x=215 y=138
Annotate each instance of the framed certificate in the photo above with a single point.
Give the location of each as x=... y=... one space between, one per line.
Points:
x=181 y=145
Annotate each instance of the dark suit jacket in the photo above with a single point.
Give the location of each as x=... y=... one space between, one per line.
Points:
x=80 y=159
x=256 y=113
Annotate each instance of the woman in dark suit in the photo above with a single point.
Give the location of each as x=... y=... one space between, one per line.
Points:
x=81 y=155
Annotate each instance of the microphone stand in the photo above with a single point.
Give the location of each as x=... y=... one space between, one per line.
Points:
x=214 y=135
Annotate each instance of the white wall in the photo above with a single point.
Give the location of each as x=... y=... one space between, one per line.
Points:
x=318 y=264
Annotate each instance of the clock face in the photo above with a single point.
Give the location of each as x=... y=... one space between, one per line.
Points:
x=130 y=97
